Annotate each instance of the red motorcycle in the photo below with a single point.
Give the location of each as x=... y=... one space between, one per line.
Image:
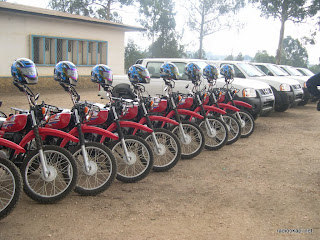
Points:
x=96 y=163
x=165 y=145
x=133 y=154
x=49 y=172
x=191 y=136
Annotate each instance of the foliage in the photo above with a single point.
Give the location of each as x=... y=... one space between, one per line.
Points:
x=263 y=57
x=239 y=57
x=132 y=53
x=158 y=18
x=294 y=54
x=315 y=68
x=284 y=10
x=94 y=8
x=209 y=16
x=229 y=58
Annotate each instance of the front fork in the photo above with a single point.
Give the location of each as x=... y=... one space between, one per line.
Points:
x=128 y=159
x=45 y=172
x=211 y=132
x=149 y=124
x=82 y=142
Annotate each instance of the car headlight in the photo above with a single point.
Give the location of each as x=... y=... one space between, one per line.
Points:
x=285 y=87
x=249 y=92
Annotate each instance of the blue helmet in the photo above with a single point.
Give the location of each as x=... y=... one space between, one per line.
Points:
x=24 y=71
x=193 y=71
x=66 y=72
x=211 y=72
x=101 y=74
x=169 y=71
x=138 y=74
x=227 y=71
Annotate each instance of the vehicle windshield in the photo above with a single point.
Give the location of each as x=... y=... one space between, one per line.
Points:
x=292 y=71
x=278 y=71
x=306 y=72
x=251 y=70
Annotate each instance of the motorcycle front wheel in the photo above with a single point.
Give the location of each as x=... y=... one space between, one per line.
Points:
x=194 y=142
x=61 y=176
x=247 y=123
x=169 y=152
x=10 y=187
x=140 y=161
x=102 y=169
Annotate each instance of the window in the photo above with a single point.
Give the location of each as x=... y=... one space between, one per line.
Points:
x=51 y=50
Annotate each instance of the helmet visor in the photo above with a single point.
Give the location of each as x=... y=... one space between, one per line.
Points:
x=144 y=73
x=30 y=72
x=72 y=73
x=107 y=75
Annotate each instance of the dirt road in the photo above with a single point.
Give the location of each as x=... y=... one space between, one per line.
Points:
x=263 y=187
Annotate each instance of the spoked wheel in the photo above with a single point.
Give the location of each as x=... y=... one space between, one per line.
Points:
x=169 y=152
x=215 y=137
x=139 y=162
x=10 y=187
x=234 y=128
x=193 y=144
x=61 y=175
x=246 y=122
x=102 y=169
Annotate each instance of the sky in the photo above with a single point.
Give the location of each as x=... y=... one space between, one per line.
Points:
x=257 y=34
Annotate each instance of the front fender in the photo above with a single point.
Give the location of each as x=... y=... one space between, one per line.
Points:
x=243 y=104
x=136 y=126
x=189 y=113
x=44 y=132
x=229 y=107
x=156 y=118
x=12 y=145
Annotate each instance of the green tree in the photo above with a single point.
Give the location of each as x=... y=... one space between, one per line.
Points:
x=239 y=57
x=284 y=10
x=158 y=18
x=263 y=57
x=209 y=16
x=315 y=68
x=94 y=8
x=293 y=53
x=132 y=53
x=229 y=58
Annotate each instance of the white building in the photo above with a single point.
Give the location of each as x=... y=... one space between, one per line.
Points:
x=48 y=36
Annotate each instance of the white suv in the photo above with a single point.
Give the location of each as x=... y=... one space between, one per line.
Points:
x=287 y=92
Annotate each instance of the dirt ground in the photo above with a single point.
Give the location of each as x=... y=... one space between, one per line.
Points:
x=263 y=187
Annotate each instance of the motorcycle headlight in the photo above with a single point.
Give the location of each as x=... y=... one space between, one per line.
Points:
x=285 y=87
x=249 y=92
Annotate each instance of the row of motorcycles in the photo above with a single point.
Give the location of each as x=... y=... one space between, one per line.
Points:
x=50 y=151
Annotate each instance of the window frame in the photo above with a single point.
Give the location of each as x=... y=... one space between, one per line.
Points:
x=95 y=43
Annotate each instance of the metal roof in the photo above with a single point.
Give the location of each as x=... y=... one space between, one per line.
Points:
x=23 y=9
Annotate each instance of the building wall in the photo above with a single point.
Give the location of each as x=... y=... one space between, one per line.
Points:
x=15 y=40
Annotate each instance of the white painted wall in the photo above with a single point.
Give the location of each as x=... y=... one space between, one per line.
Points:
x=15 y=40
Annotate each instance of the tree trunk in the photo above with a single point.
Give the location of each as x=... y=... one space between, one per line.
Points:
x=108 y=10
x=279 y=50
x=201 y=31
